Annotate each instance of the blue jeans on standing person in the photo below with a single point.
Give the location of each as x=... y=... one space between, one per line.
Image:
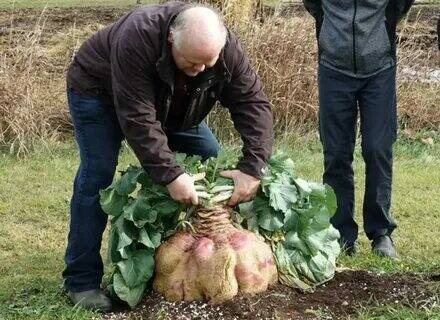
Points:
x=341 y=98
x=99 y=138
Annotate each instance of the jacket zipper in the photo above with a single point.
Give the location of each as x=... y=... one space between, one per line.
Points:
x=354 y=39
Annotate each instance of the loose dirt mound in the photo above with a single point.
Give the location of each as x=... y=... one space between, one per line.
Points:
x=336 y=299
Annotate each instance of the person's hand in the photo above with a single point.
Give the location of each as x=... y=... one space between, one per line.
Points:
x=245 y=188
x=182 y=189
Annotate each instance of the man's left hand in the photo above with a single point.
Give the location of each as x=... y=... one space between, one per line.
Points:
x=245 y=186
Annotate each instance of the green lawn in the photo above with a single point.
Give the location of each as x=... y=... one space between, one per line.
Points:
x=34 y=213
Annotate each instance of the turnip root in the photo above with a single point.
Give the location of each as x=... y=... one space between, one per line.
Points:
x=215 y=262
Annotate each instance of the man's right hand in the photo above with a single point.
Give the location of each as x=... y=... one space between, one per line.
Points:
x=182 y=189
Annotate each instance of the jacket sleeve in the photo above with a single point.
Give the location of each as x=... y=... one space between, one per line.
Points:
x=402 y=8
x=314 y=7
x=249 y=108
x=134 y=100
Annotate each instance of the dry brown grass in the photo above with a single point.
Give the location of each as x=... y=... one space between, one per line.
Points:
x=32 y=86
x=282 y=50
x=235 y=11
x=23 y=118
x=418 y=100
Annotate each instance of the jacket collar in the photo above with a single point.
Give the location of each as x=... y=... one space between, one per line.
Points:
x=165 y=66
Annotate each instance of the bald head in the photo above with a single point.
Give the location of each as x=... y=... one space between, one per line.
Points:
x=197 y=35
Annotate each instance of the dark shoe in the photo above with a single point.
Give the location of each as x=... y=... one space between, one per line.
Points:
x=348 y=248
x=91 y=299
x=383 y=246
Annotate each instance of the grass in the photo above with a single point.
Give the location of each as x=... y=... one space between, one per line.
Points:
x=34 y=212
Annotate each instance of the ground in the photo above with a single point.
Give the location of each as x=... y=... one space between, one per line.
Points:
x=34 y=199
x=34 y=213
x=337 y=299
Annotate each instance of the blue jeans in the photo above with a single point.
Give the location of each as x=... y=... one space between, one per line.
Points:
x=341 y=98
x=99 y=138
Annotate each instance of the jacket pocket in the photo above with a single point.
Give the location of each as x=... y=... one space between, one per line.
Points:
x=375 y=52
x=334 y=49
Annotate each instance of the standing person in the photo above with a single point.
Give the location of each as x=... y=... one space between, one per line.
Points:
x=357 y=74
x=151 y=78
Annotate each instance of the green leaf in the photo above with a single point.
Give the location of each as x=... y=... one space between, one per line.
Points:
x=130 y=295
x=140 y=212
x=155 y=192
x=268 y=218
x=291 y=220
x=191 y=164
x=271 y=221
x=138 y=268
x=221 y=181
x=286 y=270
x=322 y=269
x=332 y=203
x=149 y=237
x=124 y=241
x=293 y=241
x=127 y=232
x=166 y=206
x=279 y=162
x=303 y=186
x=301 y=263
x=318 y=190
x=315 y=240
x=128 y=181
x=113 y=254
x=282 y=193
x=112 y=203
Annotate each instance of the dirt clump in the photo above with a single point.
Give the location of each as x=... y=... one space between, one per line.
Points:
x=335 y=300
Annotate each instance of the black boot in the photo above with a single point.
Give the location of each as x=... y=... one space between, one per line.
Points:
x=91 y=299
x=383 y=246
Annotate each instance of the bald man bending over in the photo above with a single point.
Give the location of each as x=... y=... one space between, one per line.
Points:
x=151 y=78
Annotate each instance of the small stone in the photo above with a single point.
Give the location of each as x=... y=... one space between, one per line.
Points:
x=345 y=303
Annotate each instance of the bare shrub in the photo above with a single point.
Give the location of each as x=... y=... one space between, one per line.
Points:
x=282 y=52
x=22 y=121
x=32 y=86
x=418 y=94
x=234 y=11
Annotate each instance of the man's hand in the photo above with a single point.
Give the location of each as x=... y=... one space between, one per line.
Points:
x=182 y=189
x=245 y=188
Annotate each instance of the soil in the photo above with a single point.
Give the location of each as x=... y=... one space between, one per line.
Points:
x=337 y=299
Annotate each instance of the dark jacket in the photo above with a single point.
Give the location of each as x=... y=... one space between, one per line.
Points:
x=357 y=37
x=129 y=65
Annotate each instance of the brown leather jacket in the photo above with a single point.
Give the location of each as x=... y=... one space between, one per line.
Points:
x=129 y=65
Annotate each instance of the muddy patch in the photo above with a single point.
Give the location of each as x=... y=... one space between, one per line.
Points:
x=338 y=298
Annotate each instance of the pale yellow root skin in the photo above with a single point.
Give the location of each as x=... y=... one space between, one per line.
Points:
x=217 y=277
